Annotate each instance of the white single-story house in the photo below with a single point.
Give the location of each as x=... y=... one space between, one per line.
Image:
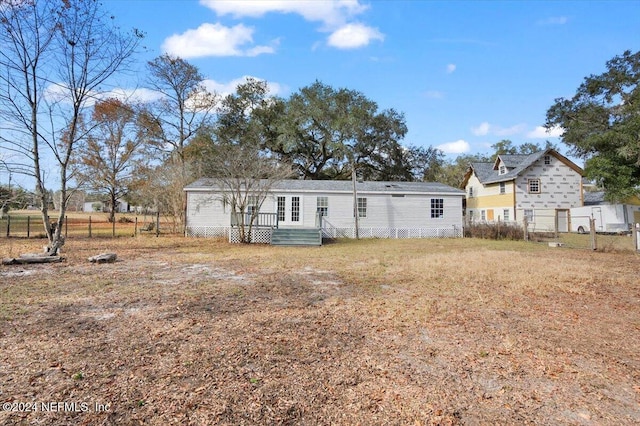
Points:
x=385 y=209
x=103 y=206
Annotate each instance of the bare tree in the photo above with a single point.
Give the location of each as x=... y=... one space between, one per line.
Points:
x=185 y=105
x=157 y=188
x=184 y=108
x=56 y=56
x=245 y=177
x=107 y=160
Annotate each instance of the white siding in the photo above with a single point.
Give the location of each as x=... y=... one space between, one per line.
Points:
x=560 y=188
x=384 y=211
x=205 y=209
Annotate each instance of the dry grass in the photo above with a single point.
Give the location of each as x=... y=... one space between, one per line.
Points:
x=81 y=224
x=194 y=331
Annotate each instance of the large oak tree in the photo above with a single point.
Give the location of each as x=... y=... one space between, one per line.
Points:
x=325 y=132
x=601 y=124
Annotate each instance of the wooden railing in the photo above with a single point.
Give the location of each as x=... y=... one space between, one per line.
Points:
x=261 y=220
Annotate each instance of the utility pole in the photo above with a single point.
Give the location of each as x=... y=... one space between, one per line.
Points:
x=355 y=200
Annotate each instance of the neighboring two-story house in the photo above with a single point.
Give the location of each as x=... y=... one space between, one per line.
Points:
x=541 y=187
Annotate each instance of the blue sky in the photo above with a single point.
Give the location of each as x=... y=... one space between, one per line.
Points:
x=466 y=74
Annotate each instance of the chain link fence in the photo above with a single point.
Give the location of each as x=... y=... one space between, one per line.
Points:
x=577 y=232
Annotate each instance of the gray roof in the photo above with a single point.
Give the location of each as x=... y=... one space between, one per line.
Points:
x=344 y=186
x=487 y=174
x=512 y=160
x=593 y=198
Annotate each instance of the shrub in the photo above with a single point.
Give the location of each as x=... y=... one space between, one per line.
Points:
x=494 y=231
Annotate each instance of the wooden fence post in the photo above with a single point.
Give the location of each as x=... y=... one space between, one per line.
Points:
x=135 y=227
x=525 y=223
x=592 y=231
x=28 y=226
x=635 y=230
x=113 y=227
x=89 y=226
x=8 y=225
x=66 y=226
x=157 y=224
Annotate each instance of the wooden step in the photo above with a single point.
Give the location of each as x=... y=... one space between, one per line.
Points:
x=296 y=237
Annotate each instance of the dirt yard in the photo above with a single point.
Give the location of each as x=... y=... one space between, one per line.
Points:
x=193 y=331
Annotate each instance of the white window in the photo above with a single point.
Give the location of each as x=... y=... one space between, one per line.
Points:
x=322 y=206
x=533 y=186
x=505 y=215
x=528 y=214
x=470 y=215
x=362 y=207
x=547 y=160
x=502 y=188
x=295 y=209
x=502 y=169
x=471 y=192
x=281 y=209
x=252 y=204
x=483 y=215
x=437 y=207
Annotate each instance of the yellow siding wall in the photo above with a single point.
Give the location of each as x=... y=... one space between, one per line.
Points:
x=501 y=200
x=635 y=201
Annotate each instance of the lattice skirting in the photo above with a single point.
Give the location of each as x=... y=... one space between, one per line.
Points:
x=452 y=232
x=207 y=231
x=263 y=235
x=258 y=235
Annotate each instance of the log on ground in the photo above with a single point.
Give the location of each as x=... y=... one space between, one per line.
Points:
x=31 y=259
x=103 y=258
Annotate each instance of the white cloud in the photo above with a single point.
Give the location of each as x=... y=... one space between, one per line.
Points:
x=485 y=129
x=541 y=132
x=508 y=131
x=60 y=93
x=352 y=36
x=224 y=89
x=482 y=129
x=213 y=40
x=451 y=68
x=554 y=20
x=457 y=147
x=333 y=13
x=56 y=93
x=132 y=95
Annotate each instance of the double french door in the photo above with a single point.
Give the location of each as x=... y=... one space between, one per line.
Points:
x=289 y=209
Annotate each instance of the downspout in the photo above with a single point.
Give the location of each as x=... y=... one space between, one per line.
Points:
x=355 y=201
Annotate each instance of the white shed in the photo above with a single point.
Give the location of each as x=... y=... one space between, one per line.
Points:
x=385 y=209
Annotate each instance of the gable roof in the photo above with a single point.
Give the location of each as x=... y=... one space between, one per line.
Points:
x=509 y=160
x=487 y=173
x=299 y=185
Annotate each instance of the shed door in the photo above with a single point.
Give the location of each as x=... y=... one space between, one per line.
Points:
x=563 y=220
x=596 y=213
x=490 y=214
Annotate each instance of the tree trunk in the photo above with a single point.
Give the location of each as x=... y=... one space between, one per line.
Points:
x=112 y=215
